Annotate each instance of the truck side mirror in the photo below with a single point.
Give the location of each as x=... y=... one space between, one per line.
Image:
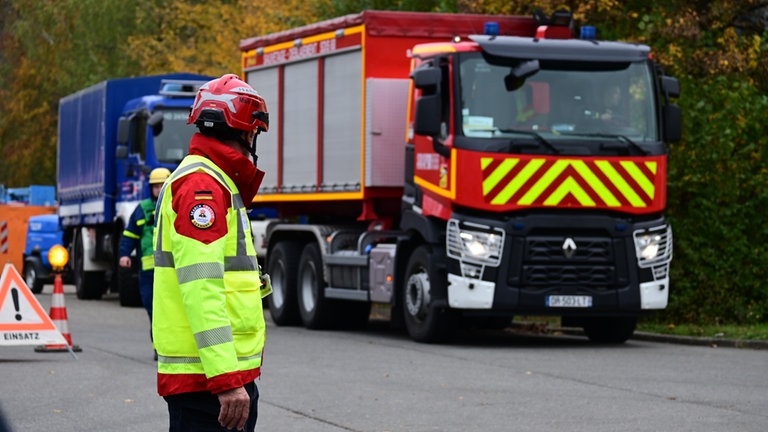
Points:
x=673 y=123
x=670 y=86
x=123 y=135
x=426 y=79
x=156 y=121
x=519 y=73
x=428 y=107
x=123 y=130
x=427 y=115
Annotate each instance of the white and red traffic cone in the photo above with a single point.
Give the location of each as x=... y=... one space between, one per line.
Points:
x=58 y=314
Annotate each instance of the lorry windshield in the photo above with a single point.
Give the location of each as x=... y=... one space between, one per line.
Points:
x=172 y=144
x=563 y=100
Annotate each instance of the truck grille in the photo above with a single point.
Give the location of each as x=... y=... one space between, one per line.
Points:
x=588 y=262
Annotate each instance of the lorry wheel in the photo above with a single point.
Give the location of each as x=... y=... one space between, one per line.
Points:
x=613 y=330
x=424 y=321
x=128 y=286
x=88 y=285
x=31 y=277
x=316 y=311
x=282 y=267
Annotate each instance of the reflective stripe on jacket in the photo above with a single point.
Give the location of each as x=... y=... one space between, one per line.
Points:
x=208 y=323
x=147 y=251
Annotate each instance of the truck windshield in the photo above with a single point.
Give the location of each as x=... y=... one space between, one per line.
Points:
x=172 y=144
x=562 y=101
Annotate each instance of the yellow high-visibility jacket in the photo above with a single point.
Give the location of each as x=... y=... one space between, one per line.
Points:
x=208 y=323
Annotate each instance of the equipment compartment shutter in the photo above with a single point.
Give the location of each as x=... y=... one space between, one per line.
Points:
x=386 y=104
x=265 y=81
x=300 y=130
x=342 y=120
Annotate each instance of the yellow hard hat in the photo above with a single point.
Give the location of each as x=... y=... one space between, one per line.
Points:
x=158 y=175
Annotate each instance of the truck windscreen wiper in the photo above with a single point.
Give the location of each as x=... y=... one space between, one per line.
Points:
x=623 y=138
x=540 y=139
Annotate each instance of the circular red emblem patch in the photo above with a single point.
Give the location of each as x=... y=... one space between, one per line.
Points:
x=202 y=216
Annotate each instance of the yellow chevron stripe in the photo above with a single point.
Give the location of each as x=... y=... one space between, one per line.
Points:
x=645 y=184
x=498 y=174
x=571 y=186
x=620 y=184
x=520 y=179
x=484 y=162
x=602 y=191
x=548 y=177
x=651 y=166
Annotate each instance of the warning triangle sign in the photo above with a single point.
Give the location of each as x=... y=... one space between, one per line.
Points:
x=22 y=320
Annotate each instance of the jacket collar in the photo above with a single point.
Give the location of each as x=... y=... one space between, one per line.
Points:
x=239 y=168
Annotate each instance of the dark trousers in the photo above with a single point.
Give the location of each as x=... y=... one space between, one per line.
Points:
x=199 y=411
x=146 y=279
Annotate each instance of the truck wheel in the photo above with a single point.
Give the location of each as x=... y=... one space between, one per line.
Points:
x=128 y=286
x=424 y=321
x=31 y=277
x=316 y=311
x=282 y=267
x=88 y=285
x=614 y=330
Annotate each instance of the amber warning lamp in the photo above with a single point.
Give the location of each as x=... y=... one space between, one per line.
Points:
x=58 y=257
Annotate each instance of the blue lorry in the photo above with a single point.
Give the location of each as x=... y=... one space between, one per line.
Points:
x=43 y=232
x=110 y=136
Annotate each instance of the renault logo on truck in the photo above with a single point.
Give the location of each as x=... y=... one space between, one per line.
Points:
x=569 y=247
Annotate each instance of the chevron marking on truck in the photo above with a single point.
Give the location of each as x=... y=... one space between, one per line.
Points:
x=568 y=182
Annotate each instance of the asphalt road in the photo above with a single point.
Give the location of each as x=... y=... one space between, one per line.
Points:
x=376 y=380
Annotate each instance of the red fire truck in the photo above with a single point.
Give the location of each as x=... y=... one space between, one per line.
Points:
x=463 y=169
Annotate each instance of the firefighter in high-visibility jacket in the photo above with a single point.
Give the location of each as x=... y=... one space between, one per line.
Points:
x=208 y=322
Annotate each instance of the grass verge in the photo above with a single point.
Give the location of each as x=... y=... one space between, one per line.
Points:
x=725 y=331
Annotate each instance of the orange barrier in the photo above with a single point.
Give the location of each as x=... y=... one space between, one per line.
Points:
x=16 y=218
x=58 y=315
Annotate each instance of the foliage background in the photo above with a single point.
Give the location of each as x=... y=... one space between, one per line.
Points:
x=718 y=188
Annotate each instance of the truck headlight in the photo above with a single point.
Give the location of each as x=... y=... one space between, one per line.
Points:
x=480 y=245
x=648 y=246
x=474 y=243
x=653 y=246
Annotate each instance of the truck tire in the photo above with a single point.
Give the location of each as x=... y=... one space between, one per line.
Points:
x=128 y=285
x=88 y=285
x=316 y=311
x=282 y=267
x=610 y=330
x=424 y=321
x=32 y=271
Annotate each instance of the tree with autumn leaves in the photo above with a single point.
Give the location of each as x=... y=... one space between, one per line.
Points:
x=718 y=175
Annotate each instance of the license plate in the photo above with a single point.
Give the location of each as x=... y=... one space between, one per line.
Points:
x=572 y=301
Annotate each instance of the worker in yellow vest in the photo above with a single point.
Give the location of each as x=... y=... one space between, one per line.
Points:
x=208 y=322
x=138 y=235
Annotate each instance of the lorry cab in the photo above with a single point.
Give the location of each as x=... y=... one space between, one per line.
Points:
x=547 y=158
x=43 y=232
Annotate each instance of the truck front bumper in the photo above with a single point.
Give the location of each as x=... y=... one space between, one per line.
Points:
x=597 y=265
